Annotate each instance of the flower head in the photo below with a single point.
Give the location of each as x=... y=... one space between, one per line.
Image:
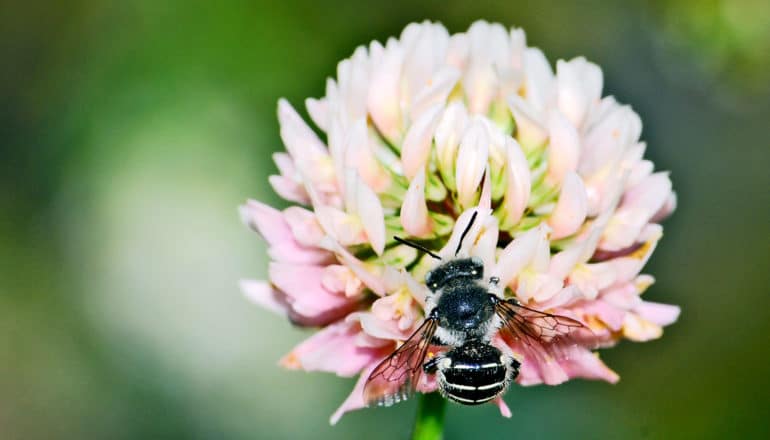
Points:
x=423 y=131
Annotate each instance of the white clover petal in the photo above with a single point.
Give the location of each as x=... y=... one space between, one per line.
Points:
x=418 y=140
x=530 y=128
x=580 y=86
x=471 y=161
x=449 y=131
x=519 y=184
x=563 y=147
x=414 y=211
x=360 y=155
x=301 y=142
x=538 y=80
x=318 y=109
x=571 y=209
x=369 y=209
x=517 y=255
x=436 y=92
x=384 y=94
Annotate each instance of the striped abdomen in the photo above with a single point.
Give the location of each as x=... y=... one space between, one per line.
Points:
x=475 y=373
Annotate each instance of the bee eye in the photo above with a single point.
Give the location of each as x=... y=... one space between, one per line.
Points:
x=434 y=285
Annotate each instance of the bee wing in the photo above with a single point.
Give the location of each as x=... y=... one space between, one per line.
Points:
x=533 y=327
x=396 y=377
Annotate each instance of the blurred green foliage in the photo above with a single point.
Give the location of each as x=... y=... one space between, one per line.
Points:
x=724 y=41
x=132 y=130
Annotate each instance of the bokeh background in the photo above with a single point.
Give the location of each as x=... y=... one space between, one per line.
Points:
x=130 y=131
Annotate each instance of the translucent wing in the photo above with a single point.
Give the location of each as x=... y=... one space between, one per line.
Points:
x=396 y=377
x=533 y=327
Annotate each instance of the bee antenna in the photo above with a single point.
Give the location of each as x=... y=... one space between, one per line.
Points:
x=465 y=232
x=417 y=246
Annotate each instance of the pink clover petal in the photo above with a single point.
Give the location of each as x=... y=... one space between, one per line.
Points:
x=622 y=295
x=638 y=329
x=395 y=306
x=582 y=363
x=365 y=273
x=657 y=313
x=340 y=279
x=427 y=384
x=289 y=190
x=537 y=369
x=505 y=411
x=289 y=183
x=306 y=293
x=593 y=277
x=332 y=350
x=262 y=294
x=341 y=226
x=286 y=166
x=610 y=315
x=304 y=226
x=628 y=267
x=366 y=340
x=666 y=210
x=266 y=220
x=272 y=226
x=310 y=155
x=386 y=329
x=355 y=399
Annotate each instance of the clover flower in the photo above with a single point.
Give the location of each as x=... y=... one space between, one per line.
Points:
x=418 y=134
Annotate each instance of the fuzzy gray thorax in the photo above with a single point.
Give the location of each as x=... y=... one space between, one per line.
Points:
x=464 y=310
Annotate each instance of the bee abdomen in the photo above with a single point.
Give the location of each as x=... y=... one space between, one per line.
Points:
x=477 y=374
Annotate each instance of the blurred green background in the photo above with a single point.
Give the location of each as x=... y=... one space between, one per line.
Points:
x=130 y=131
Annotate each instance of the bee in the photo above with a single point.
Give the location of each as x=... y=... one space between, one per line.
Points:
x=462 y=316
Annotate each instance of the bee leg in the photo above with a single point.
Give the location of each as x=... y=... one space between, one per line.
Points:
x=513 y=364
x=431 y=366
x=434 y=363
x=495 y=288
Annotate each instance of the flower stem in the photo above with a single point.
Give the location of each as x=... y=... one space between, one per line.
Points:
x=429 y=424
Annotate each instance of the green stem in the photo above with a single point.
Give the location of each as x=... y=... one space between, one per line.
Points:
x=429 y=424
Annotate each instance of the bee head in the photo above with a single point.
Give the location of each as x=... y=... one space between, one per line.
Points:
x=455 y=270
